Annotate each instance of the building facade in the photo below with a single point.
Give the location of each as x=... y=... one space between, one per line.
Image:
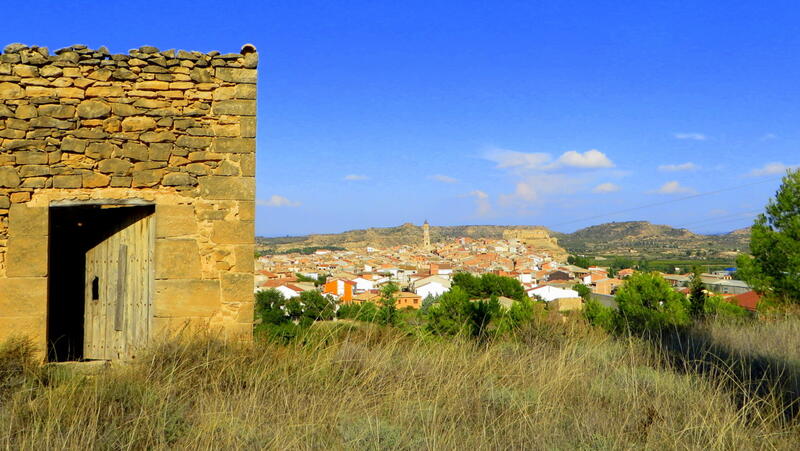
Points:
x=127 y=194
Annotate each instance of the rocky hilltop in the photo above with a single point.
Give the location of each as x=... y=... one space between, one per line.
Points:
x=633 y=238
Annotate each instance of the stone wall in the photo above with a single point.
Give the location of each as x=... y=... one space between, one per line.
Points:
x=173 y=128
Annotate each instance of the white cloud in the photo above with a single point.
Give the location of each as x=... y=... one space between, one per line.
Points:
x=607 y=187
x=688 y=166
x=774 y=168
x=692 y=136
x=513 y=159
x=541 y=161
x=673 y=187
x=590 y=159
x=443 y=178
x=277 y=201
x=484 y=206
x=769 y=137
x=355 y=177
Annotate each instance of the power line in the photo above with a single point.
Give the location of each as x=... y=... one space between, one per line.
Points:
x=666 y=202
x=723 y=218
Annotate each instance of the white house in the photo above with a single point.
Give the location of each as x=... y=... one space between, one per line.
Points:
x=363 y=284
x=550 y=293
x=289 y=291
x=432 y=288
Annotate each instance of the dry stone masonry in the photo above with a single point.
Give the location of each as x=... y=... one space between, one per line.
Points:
x=175 y=129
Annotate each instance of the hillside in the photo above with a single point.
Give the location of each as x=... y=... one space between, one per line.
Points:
x=637 y=238
x=406 y=234
x=633 y=238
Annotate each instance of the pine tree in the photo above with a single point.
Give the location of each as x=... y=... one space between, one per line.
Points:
x=697 y=294
x=774 y=268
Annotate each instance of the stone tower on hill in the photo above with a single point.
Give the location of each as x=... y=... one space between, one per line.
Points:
x=426 y=235
x=127 y=196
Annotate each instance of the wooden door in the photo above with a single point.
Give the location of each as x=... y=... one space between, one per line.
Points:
x=118 y=293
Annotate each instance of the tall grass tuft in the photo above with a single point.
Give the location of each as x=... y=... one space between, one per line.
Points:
x=364 y=386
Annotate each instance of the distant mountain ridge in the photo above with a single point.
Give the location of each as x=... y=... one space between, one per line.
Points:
x=632 y=238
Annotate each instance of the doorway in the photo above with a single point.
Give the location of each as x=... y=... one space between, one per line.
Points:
x=100 y=281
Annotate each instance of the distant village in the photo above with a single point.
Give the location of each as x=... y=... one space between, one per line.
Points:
x=530 y=256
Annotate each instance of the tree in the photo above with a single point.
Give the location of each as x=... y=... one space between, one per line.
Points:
x=449 y=316
x=583 y=291
x=774 y=268
x=697 y=294
x=488 y=285
x=648 y=303
x=388 y=311
x=270 y=305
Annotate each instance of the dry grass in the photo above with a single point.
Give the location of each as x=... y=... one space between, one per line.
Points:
x=775 y=337
x=364 y=387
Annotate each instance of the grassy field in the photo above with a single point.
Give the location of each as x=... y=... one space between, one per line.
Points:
x=358 y=386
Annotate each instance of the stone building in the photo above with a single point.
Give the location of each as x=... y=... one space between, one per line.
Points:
x=127 y=189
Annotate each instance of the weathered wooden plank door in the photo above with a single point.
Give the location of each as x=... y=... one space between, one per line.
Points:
x=118 y=293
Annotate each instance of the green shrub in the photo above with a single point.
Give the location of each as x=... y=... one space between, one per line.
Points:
x=647 y=303
x=601 y=316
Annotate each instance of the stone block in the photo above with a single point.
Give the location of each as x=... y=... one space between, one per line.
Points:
x=70 y=144
x=57 y=110
x=95 y=180
x=27 y=256
x=20 y=197
x=245 y=91
x=26 y=112
x=147 y=178
x=26 y=296
x=31 y=157
x=115 y=166
x=233 y=232
x=28 y=221
x=177 y=259
x=138 y=123
x=67 y=181
x=160 y=151
x=247 y=210
x=234 y=145
x=165 y=327
x=11 y=91
x=175 y=221
x=248 y=164
x=234 y=107
x=135 y=151
x=9 y=178
x=194 y=142
x=246 y=313
x=237 y=75
x=33 y=327
x=93 y=109
x=34 y=182
x=105 y=91
x=157 y=137
x=248 y=126
x=244 y=255
x=237 y=287
x=186 y=298
x=121 y=182
x=70 y=93
x=178 y=179
x=227 y=188
x=34 y=170
x=152 y=85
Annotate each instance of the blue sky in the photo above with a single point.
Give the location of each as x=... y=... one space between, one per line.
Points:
x=563 y=114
